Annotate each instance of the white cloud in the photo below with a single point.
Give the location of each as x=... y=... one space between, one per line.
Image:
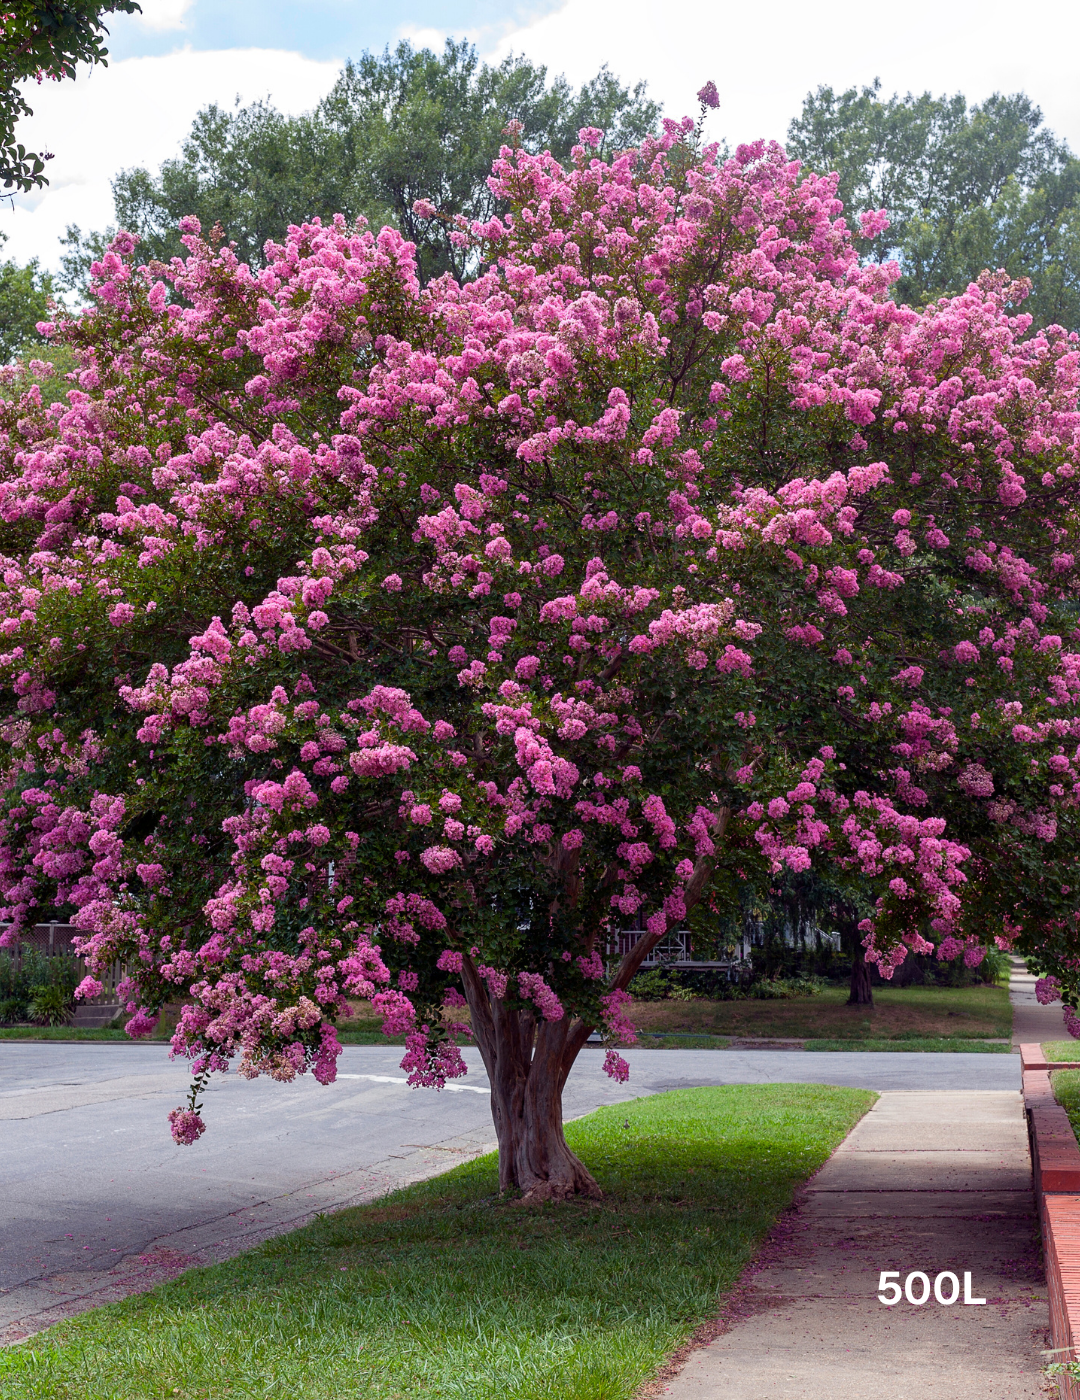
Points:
x=433 y=39
x=136 y=112
x=163 y=14
x=764 y=59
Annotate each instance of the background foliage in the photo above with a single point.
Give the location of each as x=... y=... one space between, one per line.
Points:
x=966 y=188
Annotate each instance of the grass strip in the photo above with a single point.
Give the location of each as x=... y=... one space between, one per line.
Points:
x=1066 y=1082
x=64 y=1033
x=927 y=1045
x=120 y=1036
x=968 y=1013
x=1066 y=1085
x=444 y=1290
x=674 y=1040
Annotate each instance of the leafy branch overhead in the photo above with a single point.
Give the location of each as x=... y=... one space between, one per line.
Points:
x=39 y=40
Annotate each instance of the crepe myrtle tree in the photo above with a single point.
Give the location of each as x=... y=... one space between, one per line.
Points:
x=370 y=641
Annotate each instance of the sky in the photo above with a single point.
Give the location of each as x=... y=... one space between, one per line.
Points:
x=180 y=55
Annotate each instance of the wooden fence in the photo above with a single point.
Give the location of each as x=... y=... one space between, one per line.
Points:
x=57 y=941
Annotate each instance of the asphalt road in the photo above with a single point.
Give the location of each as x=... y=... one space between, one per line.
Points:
x=90 y=1178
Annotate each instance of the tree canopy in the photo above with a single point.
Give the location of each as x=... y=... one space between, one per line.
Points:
x=396 y=128
x=42 y=39
x=366 y=639
x=966 y=189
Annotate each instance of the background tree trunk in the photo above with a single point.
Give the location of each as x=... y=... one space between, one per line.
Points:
x=862 y=994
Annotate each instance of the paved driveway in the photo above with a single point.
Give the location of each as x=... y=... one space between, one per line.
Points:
x=97 y=1199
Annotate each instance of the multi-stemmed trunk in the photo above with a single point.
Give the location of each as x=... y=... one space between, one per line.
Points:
x=528 y=1061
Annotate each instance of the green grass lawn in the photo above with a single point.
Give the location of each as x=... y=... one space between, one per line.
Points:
x=920 y=1015
x=61 y=1033
x=1066 y=1082
x=443 y=1290
x=1067 y=1092
x=898 y=1013
x=928 y=1044
x=366 y=1036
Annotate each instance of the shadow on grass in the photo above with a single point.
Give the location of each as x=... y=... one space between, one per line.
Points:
x=445 y=1290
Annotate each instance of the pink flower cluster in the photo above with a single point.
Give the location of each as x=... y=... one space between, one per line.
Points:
x=186 y=1125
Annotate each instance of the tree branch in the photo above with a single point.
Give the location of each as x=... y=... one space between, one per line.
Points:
x=695 y=888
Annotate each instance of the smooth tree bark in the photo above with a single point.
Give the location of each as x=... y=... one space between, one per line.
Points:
x=528 y=1061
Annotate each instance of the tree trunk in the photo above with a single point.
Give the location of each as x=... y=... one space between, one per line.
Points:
x=861 y=991
x=527 y=1063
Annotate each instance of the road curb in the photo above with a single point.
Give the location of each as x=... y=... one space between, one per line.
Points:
x=1055 y=1160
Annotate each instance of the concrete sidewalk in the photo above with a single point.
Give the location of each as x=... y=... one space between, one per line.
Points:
x=927 y=1181
x=1032 y=1023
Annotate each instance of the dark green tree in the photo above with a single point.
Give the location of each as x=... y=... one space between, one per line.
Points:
x=43 y=39
x=413 y=125
x=25 y=296
x=967 y=188
x=402 y=126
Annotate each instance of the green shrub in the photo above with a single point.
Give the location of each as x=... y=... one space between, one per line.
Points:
x=49 y=1005
x=994 y=966
x=31 y=976
x=660 y=984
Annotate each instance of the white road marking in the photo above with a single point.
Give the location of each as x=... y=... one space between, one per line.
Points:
x=395 y=1079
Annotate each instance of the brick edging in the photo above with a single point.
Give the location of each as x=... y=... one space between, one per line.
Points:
x=1055 y=1163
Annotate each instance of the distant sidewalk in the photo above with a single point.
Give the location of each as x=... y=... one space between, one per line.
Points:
x=928 y=1180
x=1032 y=1023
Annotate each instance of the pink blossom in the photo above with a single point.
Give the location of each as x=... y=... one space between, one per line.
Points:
x=497 y=981
x=439 y=859
x=141 y=1024
x=431 y=1066
x=975 y=781
x=187 y=1126
x=397 y=1012
x=533 y=986
x=615 y=1004
x=591 y=967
